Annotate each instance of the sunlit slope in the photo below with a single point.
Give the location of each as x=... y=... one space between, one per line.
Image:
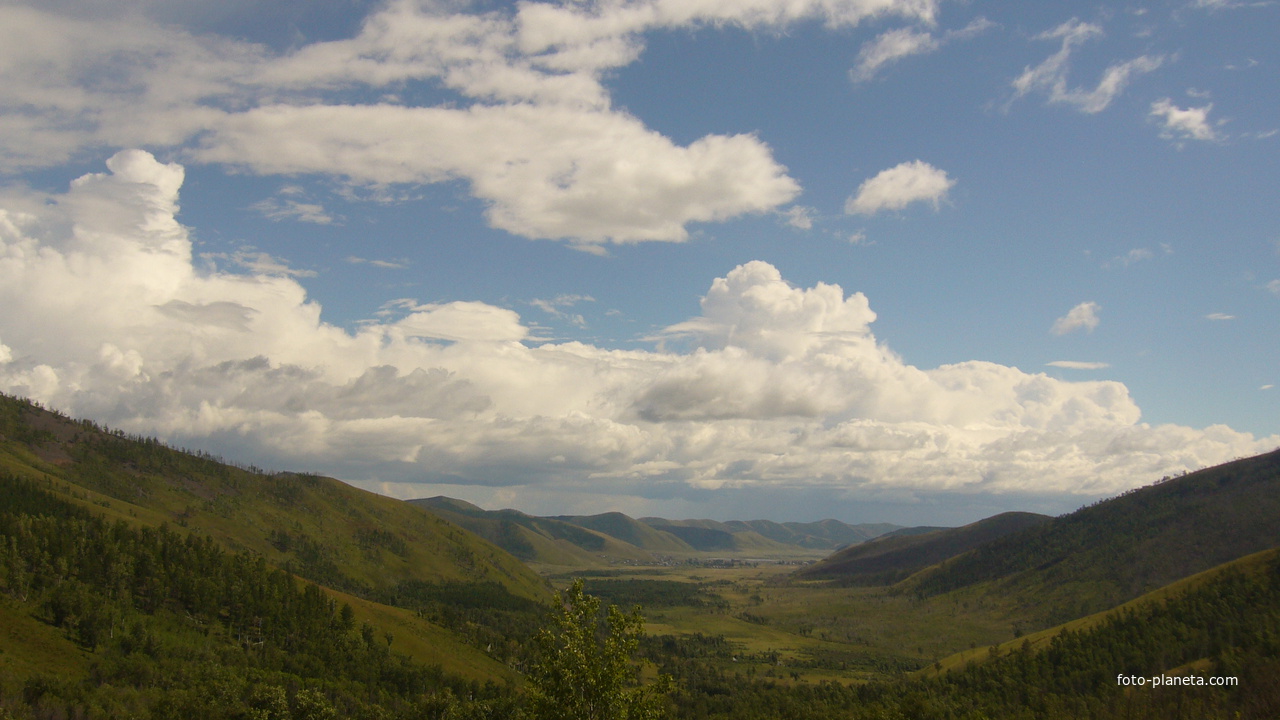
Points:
x=887 y=560
x=318 y=527
x=1119 y=549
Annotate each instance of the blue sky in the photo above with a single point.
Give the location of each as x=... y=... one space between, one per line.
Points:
x=903 y=260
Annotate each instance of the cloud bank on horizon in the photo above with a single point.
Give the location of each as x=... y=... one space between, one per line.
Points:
x=781 y=387
x=118 y=311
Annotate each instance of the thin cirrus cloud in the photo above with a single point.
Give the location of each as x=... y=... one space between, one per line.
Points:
x=894 y=45
x=899 y=186
x=1050 y=77
x=776 y=386
x=525 y=120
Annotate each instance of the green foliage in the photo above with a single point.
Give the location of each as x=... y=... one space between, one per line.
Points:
x=1118 y=549
x=177 y=626
x=585 y=671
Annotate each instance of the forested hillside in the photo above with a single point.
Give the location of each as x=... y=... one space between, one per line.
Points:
x=140 y=581
x=1118 y=549
x=146 y=621
x=324 y=530
x=887 y=560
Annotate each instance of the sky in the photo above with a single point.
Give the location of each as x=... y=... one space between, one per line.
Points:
x=912 y=261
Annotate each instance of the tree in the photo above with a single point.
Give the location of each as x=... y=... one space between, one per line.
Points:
x=584 y=670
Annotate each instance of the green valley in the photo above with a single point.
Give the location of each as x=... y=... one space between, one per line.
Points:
x=138 y=580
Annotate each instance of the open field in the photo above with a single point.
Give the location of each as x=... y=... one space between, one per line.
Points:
x=773 y=627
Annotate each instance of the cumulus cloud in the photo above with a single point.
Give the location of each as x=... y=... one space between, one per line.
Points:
x=1184 y=124
x=526 y=122
x=773 y=388
x=898 y=187
x=1081 y=317
x=1050 y=76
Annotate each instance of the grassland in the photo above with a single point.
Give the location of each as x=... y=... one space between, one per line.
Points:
x=805 y=632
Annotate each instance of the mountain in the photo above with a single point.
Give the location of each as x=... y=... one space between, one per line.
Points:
x=533 y=539
x=1118 y=549
x=887 y=560
x=769 y=536
x=322 y=529
x=455 y=605
x=591 y=540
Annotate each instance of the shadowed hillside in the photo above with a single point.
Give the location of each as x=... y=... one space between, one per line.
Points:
x=1118 y=549
x=887 y=560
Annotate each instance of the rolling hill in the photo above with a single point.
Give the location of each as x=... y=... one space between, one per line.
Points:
x=393 y=565
x=1058 y=569
x=591 y=540
x=887 y=560
x=322 y=529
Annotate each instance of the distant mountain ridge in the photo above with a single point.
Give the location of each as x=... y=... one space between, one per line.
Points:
x=582 y=540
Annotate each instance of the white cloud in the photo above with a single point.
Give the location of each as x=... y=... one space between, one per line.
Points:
x=291 y=204
x=898 y=187
x=893 y=45
x=549 y=172
x=1219 y=316
x=800 y=217
x=1184 y=124
x=529 y=124
x=1274 y=286
x=385 y=264
x=1078 y=365
x=555 y=307
x=1081 y=317
x=776 y=388
x=1050 y=76
x=1135 y=255
x=890 y=47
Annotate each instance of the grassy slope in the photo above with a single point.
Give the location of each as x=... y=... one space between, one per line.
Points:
x=28 y=646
